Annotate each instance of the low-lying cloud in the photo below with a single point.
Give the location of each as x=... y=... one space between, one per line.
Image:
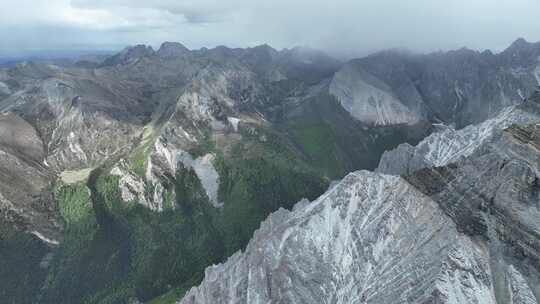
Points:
x=343 y=27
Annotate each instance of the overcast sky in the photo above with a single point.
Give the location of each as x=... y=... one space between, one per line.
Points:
x=350 y=27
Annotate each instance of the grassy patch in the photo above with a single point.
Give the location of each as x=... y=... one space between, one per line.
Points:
x=259 y=178
x=90 y=259
x=74 y=203
x=139 y=157
x=114 y=252
x=318 y=142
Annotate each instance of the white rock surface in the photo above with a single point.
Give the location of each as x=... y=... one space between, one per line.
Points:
x=371 y=239
x=132 y=189
x=203 y=167
x=520 y=292
x=449 y=145
x=368 y=99
x=234 y=123
x=429 y=237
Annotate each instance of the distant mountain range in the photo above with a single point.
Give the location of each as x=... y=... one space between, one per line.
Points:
x=123 y=177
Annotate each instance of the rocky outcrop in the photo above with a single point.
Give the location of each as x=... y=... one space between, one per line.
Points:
x=465 y=231
x=449 y=145
x=129 y=55
x=167 y=160
x=25 y=200
x=457 y=87
x=371 y=239
x=172 y=50
x=368 y=99
x=157 y=118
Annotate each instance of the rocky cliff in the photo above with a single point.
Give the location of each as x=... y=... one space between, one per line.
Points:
x=132 y=175
x=462 y=229
x=457 y=87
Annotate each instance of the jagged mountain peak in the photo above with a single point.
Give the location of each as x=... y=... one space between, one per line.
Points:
x=172 y=50
x=522 y=53
x=461 y=52
x=265 y=47
x=193 y=120
x=465 y=231
x=129 y=55
x=518 y=44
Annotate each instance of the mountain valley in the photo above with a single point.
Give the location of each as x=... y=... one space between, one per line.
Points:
x=124 y=180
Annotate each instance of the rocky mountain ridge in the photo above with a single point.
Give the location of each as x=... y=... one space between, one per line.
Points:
x=121 y=159
x=457 y=87
x=463 y=231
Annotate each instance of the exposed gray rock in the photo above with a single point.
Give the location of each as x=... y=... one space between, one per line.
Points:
x=24 y=179
x=171 y=50
x=371 y=239
x=368 y=99
x=19 y=137
x=449 y=145
x=464 y=232
x=457 y=87
x=130 y=55
x=173 y=159
x=72 y=118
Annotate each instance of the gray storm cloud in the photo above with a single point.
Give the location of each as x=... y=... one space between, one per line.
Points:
x=343 y=27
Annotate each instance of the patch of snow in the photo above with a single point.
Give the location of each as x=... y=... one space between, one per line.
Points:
x=520 y=93
x=205 y=171
x=459 y=95
x=45 y=239
x=75 y=147
x=234 y=122
x=203 y=167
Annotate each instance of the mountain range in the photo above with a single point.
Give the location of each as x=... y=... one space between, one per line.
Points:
x=123 y=178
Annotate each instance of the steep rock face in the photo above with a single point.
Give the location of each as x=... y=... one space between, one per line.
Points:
x=369 y=99
x=20 y=137
x=457 y=87
x=494 y=194
x=24 y=179
x=129 y=55
x=372 y=238
x=172 y=50
x=163 y=124
x=464 y=232
x=167 y=160
x=80 y=119
x=449 y=145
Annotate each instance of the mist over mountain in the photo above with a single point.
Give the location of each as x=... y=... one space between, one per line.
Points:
x=344 y=28
x=178 y=174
